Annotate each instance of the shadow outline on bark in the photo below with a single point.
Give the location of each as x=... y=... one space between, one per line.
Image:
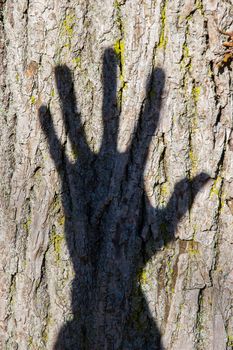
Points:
x=104 y=205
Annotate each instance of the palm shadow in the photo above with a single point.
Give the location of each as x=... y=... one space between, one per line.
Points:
x=104 y=204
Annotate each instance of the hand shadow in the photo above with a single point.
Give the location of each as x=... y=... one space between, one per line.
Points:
x=104 y=204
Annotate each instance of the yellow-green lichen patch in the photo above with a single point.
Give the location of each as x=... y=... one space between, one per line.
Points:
x=171 y=272
x=195 y=228
x=142 y=277
x=186 y=59
x=185 y=51
x=116 y=5
x=230 y=341
x=68 y=25
x=193 y=248
x=169 y=266
x=45 y=333
x=162 y=38
x=199 y=5
x=164 y=190
x=17 y=77
x=196 y=91
x=193 y=252
x=61 y=220
x=164 y=194
x=26 y=225
x=210 y=72
x=66 y=33
x=33 y=100
x=52 y=92
x=215 y=189
x=193 y=161
x=77 y=61
x=30 y=341
x=57 y=240
x=119 y=48
x=45 y=336
x=73 y=155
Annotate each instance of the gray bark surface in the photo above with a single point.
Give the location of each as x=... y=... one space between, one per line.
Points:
x=116 y=173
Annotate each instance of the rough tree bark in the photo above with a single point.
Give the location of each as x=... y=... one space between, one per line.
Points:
x=116 y=175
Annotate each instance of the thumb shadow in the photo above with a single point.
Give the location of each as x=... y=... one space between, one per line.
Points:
x=141 y=331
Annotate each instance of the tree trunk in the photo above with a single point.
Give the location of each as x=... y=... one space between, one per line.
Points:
x=116 y=175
